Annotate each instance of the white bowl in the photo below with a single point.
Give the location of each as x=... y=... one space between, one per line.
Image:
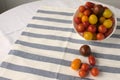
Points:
x=114 y=26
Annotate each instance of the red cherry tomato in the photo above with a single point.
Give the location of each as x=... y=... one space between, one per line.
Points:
x=92 y=28
x=100 y=36
x=87 y=12
x=86 y=24
x=80 y=28
x=109 y=31
x=82 y=8
x=89 y=4
x=85 y=67
x=95 y=71
x=77 y=20
x=82 y=73
x=92 y=60
x=102 y=29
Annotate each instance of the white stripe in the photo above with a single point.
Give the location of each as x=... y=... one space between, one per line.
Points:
x=41 y=52
x=118 y=23
x=43 y=41
x=48 y=32
x=33 y=64
x=54 y=16
x=117 y=31
x=108 y=76
x=48 y=23
x=15 y=75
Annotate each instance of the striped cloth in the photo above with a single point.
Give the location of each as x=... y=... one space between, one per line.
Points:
x=47 y=46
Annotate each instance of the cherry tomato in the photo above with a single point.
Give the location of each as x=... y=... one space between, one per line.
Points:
x=77 y=20
x=89 y=4
x=80 y=28
x=102 y=29
x=87 y=12
x=76 y=63
x=100 y=36
x=88 y=35
x=84 y=18
x=92 y=60
x=85 y=50
x=92 y=28
x=109 y=31
x=86 y=24
x=82 y=73
x=85 y=67
x=82 y=8
x=95 y=71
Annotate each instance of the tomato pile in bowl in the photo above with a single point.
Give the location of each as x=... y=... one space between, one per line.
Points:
x=94 y=21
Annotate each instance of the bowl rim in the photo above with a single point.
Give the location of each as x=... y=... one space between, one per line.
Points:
x=115 y=24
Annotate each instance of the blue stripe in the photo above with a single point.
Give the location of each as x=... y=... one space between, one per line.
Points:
x=118 y=19
x=78 y=41
x=50 y=27
x=53 y=20
x=115 y=36
x=2 y=78
x=56 y=12
x=52 y=37
x=40 y=72
x=118 y=27
x=58 y=61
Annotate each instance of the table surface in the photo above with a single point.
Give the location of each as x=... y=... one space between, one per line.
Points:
x=18 y=17
x=14 y=21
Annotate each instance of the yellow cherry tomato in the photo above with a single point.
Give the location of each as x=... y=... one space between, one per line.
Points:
x=108 y=23
x=107 y=13
x=88 y=35
x=93 y=19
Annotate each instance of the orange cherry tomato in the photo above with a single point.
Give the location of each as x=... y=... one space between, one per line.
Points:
x=76 y=63
x=84 y=18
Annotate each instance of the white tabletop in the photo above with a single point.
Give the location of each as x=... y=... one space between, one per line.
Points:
x=14 y=21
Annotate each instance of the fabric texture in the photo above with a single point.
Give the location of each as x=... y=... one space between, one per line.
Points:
x=47 y=46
